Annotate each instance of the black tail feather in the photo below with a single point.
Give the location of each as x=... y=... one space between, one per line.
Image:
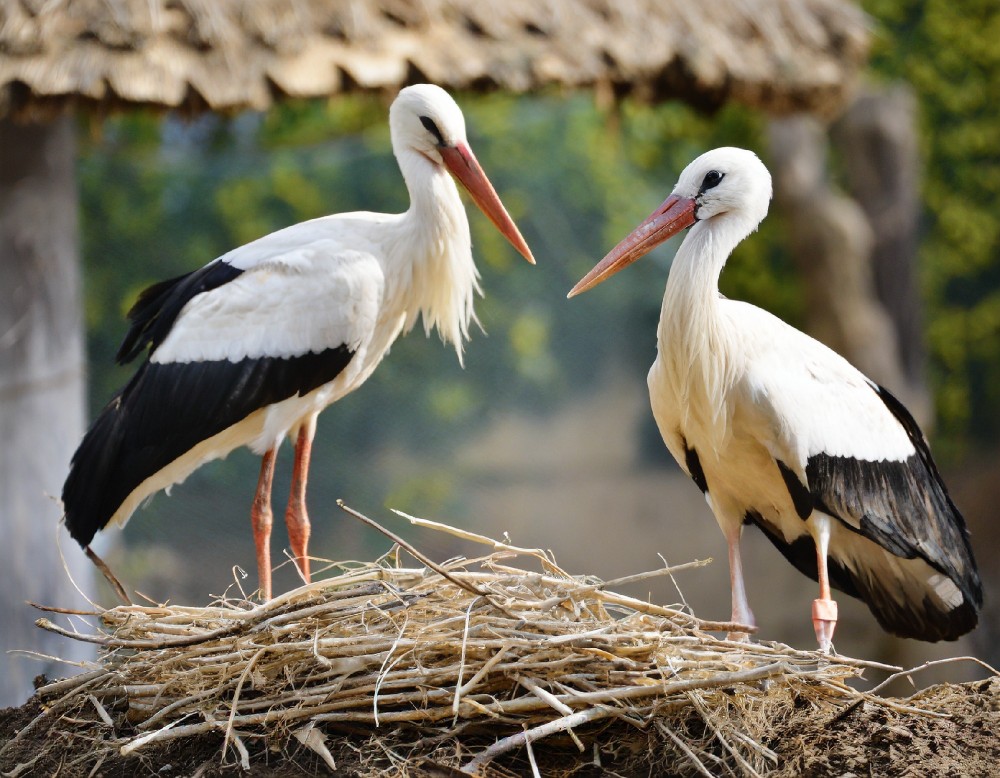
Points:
x=921 y=619
x=168 y=409
x=89 y=497
x=159 y=305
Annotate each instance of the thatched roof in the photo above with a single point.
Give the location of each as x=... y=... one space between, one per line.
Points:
x=229 y=55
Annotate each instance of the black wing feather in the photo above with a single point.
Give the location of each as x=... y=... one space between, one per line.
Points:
x=166 y=410
x=801 y=552
x=904 y=508
x=693 y=463
x=923 y=619
x=159 y=305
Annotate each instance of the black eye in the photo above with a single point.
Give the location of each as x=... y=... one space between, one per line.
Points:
x=432 y=128
x=712 y=179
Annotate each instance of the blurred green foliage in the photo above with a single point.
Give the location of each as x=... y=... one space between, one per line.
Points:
x=950 y=54
x=157 y=203
x=161 y=197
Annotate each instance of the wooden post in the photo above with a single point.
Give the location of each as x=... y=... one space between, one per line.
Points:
x=41 y=393
x=835 y=241
x=876 y=141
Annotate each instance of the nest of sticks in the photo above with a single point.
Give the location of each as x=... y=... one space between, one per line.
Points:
x=467 y=664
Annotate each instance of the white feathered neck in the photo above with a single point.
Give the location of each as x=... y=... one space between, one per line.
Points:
x=431 y=271
x=697 y=344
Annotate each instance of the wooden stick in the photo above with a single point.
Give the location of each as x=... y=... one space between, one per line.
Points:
x=116 y=585
x=932 y=663
x=523 y=738
x=413 y=551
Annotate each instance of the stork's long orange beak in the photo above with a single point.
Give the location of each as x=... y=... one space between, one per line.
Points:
x=673 y=215
x=463 y=164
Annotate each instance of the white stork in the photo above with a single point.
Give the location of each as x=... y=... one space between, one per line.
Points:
x=779 y=431
x=251 y=347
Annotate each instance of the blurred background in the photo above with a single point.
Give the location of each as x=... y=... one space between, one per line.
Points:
x=163 y=135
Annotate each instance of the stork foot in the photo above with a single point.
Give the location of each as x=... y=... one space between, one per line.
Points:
x=824 y=622
x=298 y=537
x=744 y=616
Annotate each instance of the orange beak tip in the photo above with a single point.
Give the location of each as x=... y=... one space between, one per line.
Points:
x=673 y=215
x=465 y=167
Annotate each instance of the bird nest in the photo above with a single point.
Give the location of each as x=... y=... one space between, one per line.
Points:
x=466 y=664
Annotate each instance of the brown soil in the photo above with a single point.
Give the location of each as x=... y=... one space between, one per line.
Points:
x=862 y=739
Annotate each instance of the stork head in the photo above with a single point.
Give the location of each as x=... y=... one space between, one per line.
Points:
x=425 y=119
x=726 y=187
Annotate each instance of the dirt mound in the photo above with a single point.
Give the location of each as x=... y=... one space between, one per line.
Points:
x=863 y=738
x=871 y=739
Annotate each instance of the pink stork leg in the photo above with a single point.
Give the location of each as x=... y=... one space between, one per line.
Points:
x=261 y=520
x=824 y=610
x=296 y=517
x=741 y=606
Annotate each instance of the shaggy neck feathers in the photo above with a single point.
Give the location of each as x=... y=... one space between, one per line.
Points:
x=431 y=255
x=697 y=344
